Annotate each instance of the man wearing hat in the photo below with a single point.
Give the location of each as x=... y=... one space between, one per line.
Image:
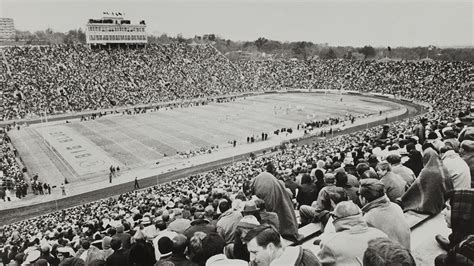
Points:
x=382 y=214
x=350 y=227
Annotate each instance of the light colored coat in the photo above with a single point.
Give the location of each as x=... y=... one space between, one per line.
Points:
x=394 y=185
x=458 y=170
x=388 y=217
x=348 y=244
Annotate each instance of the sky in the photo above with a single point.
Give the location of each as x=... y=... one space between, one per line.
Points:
x=379 y=23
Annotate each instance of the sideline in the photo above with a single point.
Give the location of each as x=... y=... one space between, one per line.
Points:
x=11 y=215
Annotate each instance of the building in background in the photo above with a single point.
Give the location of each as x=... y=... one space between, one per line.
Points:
x=7 y=29
x=114 y=30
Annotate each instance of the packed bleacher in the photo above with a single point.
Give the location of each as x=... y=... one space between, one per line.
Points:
x=350 y=185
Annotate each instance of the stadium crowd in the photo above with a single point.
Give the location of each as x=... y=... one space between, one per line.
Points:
x=351 y=184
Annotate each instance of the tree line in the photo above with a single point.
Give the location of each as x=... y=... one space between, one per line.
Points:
x=264 y=48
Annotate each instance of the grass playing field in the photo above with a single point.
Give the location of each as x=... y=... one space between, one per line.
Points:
x=80 y=151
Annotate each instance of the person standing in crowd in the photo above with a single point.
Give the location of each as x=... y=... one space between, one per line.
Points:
x=136 y=185
x=380 y=212
x=420 y=130
x=265 y=186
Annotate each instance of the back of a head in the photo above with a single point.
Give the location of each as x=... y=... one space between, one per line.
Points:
x=383 y=251
x=41 y=262
x=213 y=244
x=195 y=248
x=371 y=189
x=384 y=165
x=341 y=179
x=160 y=224
x=45 y=249
x=224 y=206
x=85 y=244
x=165 y=245
x=115 y=243
x=180 y=243
x=394 y=159
x=120 y=229
x=329 y=178
x=361 y=168
x=305 y=179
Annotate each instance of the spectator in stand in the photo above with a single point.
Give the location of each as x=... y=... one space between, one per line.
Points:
x=394 y=184
x=351 y=192
x=199 y=224
x=457 y=168
x=88 y=252
x=459 y=216
x=178 y=256
x=467 y=153
x=120 y=256
x=141 y=252
x=350 y=227
x=384 y=251
x=265 y=247
x=420 y=130
x=328 y=197
x=267 y=187
x=381 y=213
x=227 y=221
x=397 y=168
x=213 y=247
x=415 y=162
x=307 y=191
x=428 y=193
x=266 y=216
x=123 y=236
x=163 y=232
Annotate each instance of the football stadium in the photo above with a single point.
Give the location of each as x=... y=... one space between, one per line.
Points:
x=121 y=150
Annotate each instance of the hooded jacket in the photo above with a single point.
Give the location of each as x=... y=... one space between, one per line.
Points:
x=348 y=244
x=382 y=214
x=428 y=193
x=266 y=187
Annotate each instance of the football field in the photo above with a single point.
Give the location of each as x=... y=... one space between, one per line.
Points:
x=81 y=151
